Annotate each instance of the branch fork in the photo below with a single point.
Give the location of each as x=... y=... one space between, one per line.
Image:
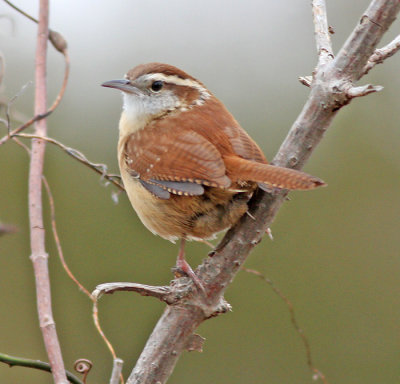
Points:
x=181 y=292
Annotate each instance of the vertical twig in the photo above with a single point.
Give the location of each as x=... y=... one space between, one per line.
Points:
x=317 y=374
x=37 y=233
x=85 y=367
x=321 y=32
x=116 y=371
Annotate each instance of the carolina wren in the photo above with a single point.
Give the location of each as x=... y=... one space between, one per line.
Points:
x=188 y=167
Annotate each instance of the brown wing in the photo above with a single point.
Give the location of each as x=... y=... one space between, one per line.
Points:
x=176 y=156
x=218 y=126
x=243 y=145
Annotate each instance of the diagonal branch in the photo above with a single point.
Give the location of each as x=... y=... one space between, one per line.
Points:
x=381 y=54
x=14 y=361
x=162 y=293
x=99 y=168
x=329 y=93
x=362 y=42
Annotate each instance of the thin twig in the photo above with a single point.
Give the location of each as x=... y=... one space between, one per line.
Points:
x=60 y=45
x=305 y=80
x=95 y=313
x=11 y=102
x=74 y=279
x=93 y=298
x=21 y=11
x=162 y=293
x=14 y=361
x=55 y=104
x=57 y=241
x=83 y=366
x=363 y=90
x=316 y=372
x=381 y=54
x=116 y=373
x=372 y=25
x=54 y=228
x=321 y=32
x=99 y=168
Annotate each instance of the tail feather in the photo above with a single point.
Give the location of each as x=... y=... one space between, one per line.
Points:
x=277 y=177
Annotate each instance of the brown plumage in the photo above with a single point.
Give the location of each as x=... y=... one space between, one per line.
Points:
x=188 y=167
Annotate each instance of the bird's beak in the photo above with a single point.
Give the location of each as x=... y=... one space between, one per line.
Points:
x=122 y=85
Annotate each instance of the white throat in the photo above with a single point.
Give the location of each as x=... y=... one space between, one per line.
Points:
x=134 y=115
x=139 y=109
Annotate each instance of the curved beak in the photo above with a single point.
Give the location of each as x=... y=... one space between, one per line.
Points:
x=122 y=85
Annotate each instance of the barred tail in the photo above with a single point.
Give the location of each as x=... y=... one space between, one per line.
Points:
x=273 y=176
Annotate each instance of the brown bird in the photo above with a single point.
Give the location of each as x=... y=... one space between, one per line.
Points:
x=188 y=167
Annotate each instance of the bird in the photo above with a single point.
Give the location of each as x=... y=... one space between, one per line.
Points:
x=188 y=167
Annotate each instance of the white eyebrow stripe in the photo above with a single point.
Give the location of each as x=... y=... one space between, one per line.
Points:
x=204 y=94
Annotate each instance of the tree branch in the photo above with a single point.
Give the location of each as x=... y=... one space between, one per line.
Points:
x=14 y=361
x=162 y=293
x=361 y=44
x=99 y=168
x=321 y=32
x=331 y=89
x=116 y=371
x=83 y=365
x=381 y=54
x=37 y=233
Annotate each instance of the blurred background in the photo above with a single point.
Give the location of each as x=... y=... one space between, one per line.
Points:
x=335 y=252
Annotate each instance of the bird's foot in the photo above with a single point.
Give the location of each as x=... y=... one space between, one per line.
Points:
x=183 y=265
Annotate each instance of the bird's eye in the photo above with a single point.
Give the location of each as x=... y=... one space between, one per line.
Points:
x=157 y=86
